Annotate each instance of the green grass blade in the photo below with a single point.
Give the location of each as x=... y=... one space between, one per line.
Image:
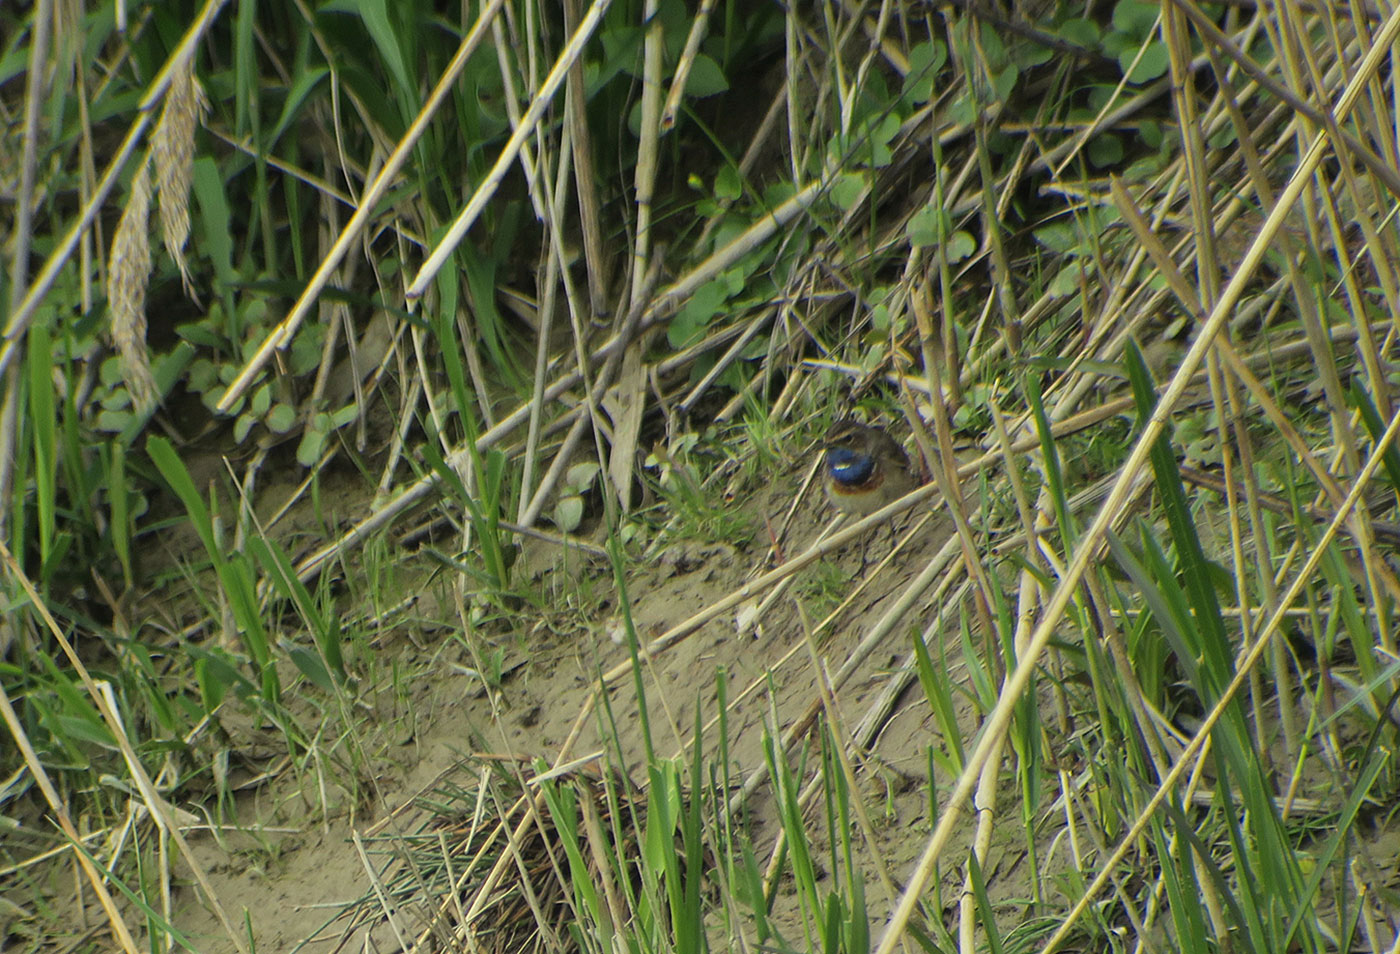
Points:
x=45 y=442
x=938 y=691
x=233 y=571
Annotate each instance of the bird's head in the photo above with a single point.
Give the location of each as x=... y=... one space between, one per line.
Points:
x=851 y=437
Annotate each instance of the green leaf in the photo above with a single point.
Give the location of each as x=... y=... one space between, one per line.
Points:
x=568 y=513
x=43 y=417
x=309 y=450
x=692 y=320
x=1060 y=237
x=113 y=422
x=305 y=352
x=1105 y=149
x=201 y=375
x=215 y=218
x=1225 y=137
x=278 y=569
x=706 y=78
x=243 y=426
x=960 y=246
x=301 y=87
x=963 y=110
x=162 y=454
x=119 y=502
x=375 y=16
x=882 y=134
x=847 y=189
x=1360 y=399
x=925 y=60
x=1005 y=82
x=281 y=418
x=311 y=667
x=923 y=228
x=1080 y=31
x=110 y=371
x=1136 y=18
x=581 y=476
x=727 y=183
x=1154 y=62
x=1066 y=280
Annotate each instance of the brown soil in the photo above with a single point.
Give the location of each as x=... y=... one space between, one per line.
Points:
x=293 y=874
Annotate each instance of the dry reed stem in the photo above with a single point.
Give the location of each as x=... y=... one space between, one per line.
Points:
x=683 y=66
x=554 y=264
x=529 y=168
x=599 y=265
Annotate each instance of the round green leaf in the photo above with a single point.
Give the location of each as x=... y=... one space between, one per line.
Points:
x=309 y=450
x=1105 y=149
x=706 y=78
x=1080 y=31
x=242 y=426
x=925 y=60
x=960 y=246
x=568 y=513
x=727 y=184
x=1058 y=237
x=1154 y=62
x=581 y=476
x=922 y=229
x=1136 y=18
x=848 y=189
x=281 y=418
x=113 y=422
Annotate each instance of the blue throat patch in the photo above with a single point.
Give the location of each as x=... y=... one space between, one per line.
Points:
x=849 y=468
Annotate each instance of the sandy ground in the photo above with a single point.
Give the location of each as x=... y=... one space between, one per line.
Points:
x=295 y=876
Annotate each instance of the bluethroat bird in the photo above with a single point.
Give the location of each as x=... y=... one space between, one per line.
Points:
x=864 y=468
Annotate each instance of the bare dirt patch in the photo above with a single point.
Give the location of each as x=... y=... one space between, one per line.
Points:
x=300 y=880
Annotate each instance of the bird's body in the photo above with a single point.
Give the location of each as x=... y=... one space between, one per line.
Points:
x=864 y=468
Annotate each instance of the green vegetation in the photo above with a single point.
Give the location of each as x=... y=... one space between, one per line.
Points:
x=368 y=365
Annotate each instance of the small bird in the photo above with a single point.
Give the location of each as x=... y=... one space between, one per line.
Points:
x=864 y=468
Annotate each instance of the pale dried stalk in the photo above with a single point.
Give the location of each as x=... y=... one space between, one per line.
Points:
x=687 y=60
x=586 y=182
